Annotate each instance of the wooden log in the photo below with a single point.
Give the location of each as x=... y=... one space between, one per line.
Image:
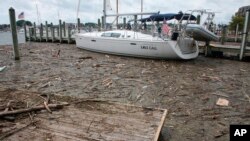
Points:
x=37 y=108
x=14 y=32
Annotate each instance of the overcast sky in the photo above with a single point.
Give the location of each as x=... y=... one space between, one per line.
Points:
x=91 y=10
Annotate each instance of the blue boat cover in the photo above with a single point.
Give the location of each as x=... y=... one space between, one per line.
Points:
x=169 y=16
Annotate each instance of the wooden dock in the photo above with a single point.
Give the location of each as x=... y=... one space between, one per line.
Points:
x=95 y=120
x=217 y=49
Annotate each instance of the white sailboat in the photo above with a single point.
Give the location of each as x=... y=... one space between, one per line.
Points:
x=179 y=45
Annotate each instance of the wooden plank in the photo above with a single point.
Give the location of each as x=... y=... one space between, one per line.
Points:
x=92 y=120
x=160 y=126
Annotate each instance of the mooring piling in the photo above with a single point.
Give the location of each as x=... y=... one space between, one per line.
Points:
x=47 y=31
x=34 y=31
x=41 y=32
x=78 y=25
x=124 y=23
x=64 y=29
x=99 y=24
x=14 y=32
x=245 y=35
x=52 y=32
x=25 y=31
x=60 y=31
x=102 y=22
x=69 y=35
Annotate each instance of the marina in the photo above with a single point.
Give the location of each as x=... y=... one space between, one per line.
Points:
x=137 y=76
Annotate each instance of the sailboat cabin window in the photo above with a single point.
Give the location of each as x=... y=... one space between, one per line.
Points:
x=115 y=35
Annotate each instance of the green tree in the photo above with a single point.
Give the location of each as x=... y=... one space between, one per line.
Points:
x=236 y=20
x=21 y=22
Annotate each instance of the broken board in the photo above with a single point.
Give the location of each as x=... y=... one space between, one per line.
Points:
x=94 y=120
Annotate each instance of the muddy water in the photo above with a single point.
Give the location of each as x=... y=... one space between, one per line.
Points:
x=188 y=89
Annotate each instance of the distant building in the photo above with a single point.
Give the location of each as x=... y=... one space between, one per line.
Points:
x=242 y=11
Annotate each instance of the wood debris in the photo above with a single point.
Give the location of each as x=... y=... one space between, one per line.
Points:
x=222 y=102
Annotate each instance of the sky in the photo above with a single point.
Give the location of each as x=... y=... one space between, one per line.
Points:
x=91 y=10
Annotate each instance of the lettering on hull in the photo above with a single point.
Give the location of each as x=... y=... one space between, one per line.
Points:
x=149 y=47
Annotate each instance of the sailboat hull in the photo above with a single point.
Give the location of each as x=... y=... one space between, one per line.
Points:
x=137 y=48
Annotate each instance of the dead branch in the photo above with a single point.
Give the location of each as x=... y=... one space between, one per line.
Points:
x=37 y=108
x=47 y=107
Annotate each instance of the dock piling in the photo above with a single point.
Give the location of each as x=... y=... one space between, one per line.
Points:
x=64 y=29
x=78 y=25
x=34 y=31
x=102 y=23
x=99 y=24
x=41 y=32
x=60 y=31
x=30 y=33
x=14 y=32
x=47 y=31
x=69 y=35
x=245 y=35
x=52 y=32
x=124 y=23
x=223 y=36
x=25 y=31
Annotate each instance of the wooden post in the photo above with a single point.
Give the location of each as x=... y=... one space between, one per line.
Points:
x=34 y=31
x=124 y=23
x=245 y=35
x=198 y=19
x=99 y=25
x=41 y=32
x=14 y=32
x=102 y=22
x=135 y=23
x=208 y=51
x=223 y=37
x=69 y=36
x=25 y=31
x=47 y=31
x=30 y=33
x=52 y=32
x=236 y=33
x=60 y=31
x=64 y=29
x=78 y=25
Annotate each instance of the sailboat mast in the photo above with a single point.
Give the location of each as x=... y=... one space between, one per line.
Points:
x=77 y=13
x=104 y=13
x=37 y=14
x=141 y=7
x=117 y=13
